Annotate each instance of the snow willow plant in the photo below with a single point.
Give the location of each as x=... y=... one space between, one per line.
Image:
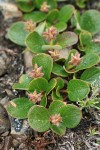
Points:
x=58 y=79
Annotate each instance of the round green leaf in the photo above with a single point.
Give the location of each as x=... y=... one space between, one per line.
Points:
x=88 y=61
x=46 y=62
x=35 y=16
x=91 y=75
x=52 y=16
x=61 y=26
x=90 y=21
x=19 y=107
x=77 y=90
x=26 y=6
x=59 y=70
x=52 y=3
x=66 y=13
x=55 y=107
x=17 y=34
x=38 y=118
x=67 y=39
x=58 y=130
x=71 y=115
x=34 y=42
x=39 y=3
x=23 y=83
x=51 y=85
x=87 y=44
x=93 y=48
x=39 y=84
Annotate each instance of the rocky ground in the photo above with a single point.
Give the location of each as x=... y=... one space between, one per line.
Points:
x=16 y=134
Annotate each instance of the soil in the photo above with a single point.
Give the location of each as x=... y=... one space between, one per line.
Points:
x=79 y=138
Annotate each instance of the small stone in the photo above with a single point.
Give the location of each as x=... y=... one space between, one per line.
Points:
x=9 y=93
x=28 y=60
x=9 y=10
x=4 y=100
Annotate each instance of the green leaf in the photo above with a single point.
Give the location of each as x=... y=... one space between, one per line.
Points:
x=52 y=16
x=91 y=75
x=77 y=90
x=23 y=83
x=61 y=26
x=58 y=91
x=93 y=48
x=55 y=107
x=51 y=85
x=80 y=4
x=66 y=13
x=88 y=61
x=52 y=3
x=26 y=6
x=90 y=21
x=55 y=97
x=59 y=70
x=43 y=101
x=46 y=62
x=17 y=34
x=87 y=44
x=34 y=42
x=39 y=3
x=67 y=39
x=71 y=115
x=72 y=52
x=60 y=82
x=59 y=85
x=35 y=16
x=39 y=84
x=38 y=118
x=85 y=38
x=49 y=47
x=19 y=107
x=60 y=130
x=40 y=28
